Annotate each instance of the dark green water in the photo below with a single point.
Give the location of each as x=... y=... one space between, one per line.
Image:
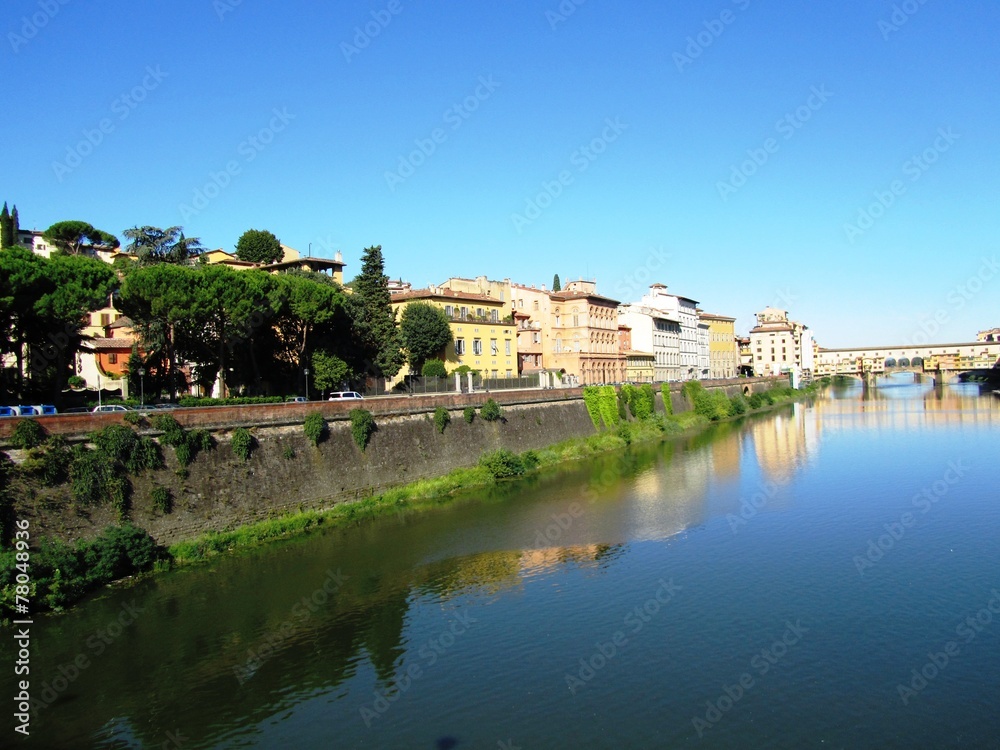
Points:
x=638 y=601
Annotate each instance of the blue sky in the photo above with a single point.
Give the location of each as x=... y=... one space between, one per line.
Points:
x=836 y=159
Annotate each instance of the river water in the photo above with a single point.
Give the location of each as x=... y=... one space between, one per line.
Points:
x=825 y=575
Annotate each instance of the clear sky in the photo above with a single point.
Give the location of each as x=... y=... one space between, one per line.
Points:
x=741 y=152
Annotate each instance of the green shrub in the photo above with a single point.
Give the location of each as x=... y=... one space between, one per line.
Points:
x=163 y=501
x=235 y=401
x=95 y=477
x=624 y=431
x=434 y=368
x=172 y=431
x=62 y=573
x=530 y=459
x=27 y=433
x=608 y=405
x=242 y=443
x=644 y=403
x=50 y=461
x=316 y=428
x=441 y=418
x=756 y=401
x=201 y=440
x=184 y=453
x=668 y=405
x=122 y=444
x=502 y=463
x=362 y=427
x=623 y=406
x=592 y=400
x=75 y=381
x=133 y=418
x=469 y=414
x=738 y=406
x=491 y=411
x=768 y=398
x=288 y=453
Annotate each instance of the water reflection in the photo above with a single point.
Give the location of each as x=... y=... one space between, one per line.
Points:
x=223 y=648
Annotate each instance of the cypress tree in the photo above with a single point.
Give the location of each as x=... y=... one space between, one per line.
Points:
x=6 y=228
x=376 y=320
x=15 y=227
x=556 y=285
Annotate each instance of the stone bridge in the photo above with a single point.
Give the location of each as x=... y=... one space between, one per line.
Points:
x=939 y=362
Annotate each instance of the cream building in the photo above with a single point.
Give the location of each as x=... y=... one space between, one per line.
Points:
x=778 y=344
x=685 y=311
x=655 y=332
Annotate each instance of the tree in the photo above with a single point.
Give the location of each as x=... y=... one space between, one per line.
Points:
x=434 y=368
x=7 y=237
x=329 y=370
x=74 y=237
x=15 y=229
x=425 y=333
x=375 y=320
x=156 y=245
x=259 y=246
x=556 y=284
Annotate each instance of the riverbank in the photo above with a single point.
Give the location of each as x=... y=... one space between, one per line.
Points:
x=65 y=572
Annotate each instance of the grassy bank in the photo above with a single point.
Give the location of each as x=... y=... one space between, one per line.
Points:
x=64 y=573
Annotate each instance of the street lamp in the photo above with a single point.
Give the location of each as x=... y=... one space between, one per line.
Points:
x=142 y=385
x=306 y=371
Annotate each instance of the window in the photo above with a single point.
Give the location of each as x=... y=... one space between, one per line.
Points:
x=495 y=314
x=506 y=346
x=477 y=346
x=494 y=349
x=537 y=337
x=105 y=319
x=449 y=310
x=464 y=312
x=536 y=304
x=112 y=358
x=508 y=375
x=459 y=347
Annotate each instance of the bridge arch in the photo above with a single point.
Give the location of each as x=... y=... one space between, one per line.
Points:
x=917 y=362
x=890 y=362
x=904 y=362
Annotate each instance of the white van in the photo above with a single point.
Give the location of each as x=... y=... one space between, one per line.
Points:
x=344 y=394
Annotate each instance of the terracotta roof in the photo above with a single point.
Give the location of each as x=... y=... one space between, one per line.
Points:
x=566 y=296
x=444 y=294
x=99 y=343
x=713 y=316
x=123 y=322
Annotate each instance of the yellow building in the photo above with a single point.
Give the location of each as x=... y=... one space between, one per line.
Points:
x=723 y=350
x=485 y=337
x=290 y=259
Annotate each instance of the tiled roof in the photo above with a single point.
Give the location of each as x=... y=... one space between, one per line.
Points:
x=444 y=294
x=99 y=343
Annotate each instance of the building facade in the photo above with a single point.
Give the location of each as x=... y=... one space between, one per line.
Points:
x=779 y=345
x=723 y=351
x=482 y=338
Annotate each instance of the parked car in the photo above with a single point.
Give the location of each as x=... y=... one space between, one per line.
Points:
x=296 y=400
x=109 y=407
x=78 y=410
x=45 y=409
x=344 y=394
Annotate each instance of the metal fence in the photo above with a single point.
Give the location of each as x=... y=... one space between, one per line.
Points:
x=420 y=385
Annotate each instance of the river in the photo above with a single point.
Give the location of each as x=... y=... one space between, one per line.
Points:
x=825 y=575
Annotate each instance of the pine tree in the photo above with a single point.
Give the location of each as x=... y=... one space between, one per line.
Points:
x=15 y=227
x=556 y=286
x=376 y=321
